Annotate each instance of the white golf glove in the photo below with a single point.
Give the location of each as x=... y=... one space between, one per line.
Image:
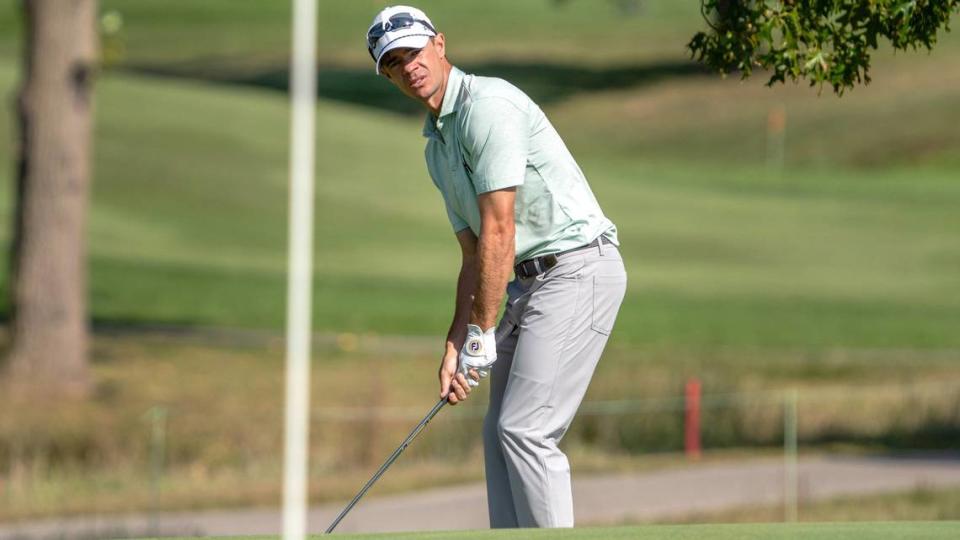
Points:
x=479 y=352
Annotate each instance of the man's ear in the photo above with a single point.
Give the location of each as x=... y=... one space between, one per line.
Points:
x=439 y=41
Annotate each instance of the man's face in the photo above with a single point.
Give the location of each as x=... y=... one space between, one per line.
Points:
x=417 y=73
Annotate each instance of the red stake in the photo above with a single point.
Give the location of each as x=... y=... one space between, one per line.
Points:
x=692 y=423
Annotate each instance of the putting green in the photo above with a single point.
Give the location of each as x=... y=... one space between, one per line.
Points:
x=747 y=531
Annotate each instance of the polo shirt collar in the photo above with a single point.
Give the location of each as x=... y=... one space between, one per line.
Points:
x=451 y=98
x=451 y=103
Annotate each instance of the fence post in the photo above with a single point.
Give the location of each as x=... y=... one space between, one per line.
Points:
x=158 y=446
x=692 y=420
x=776 y=135
x=790 y=480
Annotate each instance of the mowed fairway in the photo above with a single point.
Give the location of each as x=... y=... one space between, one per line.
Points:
x=189 y=216
x=853 y=242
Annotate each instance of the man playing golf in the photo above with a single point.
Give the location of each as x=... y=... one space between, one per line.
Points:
x=517 y=202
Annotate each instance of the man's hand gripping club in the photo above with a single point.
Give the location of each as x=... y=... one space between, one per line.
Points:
x=460 y=371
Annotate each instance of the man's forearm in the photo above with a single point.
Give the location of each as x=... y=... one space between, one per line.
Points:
x=495 y=253
x=466 y=286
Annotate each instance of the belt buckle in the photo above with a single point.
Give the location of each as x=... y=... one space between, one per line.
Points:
x=521 y=270
x=549 y=261
x=536 y=266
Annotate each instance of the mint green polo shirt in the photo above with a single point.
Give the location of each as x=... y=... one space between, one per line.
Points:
x=490 y=136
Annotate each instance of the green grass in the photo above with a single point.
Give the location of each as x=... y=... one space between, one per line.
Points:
x=853 y=244
x=256 y=33
x=249 y=36
x=924 y=504
x=189 y=223
x=763 y=531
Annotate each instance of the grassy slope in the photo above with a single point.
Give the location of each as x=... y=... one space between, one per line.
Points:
x=854 y=244
x=256 y=32
x=189 y=220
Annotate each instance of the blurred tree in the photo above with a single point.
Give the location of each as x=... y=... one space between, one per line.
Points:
x=48 y=352
x=824 y=41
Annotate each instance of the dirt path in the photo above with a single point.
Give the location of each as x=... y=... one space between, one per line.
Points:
x=598 y=500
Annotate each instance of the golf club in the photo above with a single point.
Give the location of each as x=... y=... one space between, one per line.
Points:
x=386 y=464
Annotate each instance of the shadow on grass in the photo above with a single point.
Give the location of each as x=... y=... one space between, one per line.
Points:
x=545 y=83
x=932 y=434
x=186 y=331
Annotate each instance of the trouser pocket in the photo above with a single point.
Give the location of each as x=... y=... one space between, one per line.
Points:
x=608 y=292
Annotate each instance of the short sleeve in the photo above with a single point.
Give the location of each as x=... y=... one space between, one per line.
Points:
x=456 y=221
x=495 y=140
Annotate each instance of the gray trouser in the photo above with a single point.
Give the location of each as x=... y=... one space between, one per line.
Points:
x=548 y=343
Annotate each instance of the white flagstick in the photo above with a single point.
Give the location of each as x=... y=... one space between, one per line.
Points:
x=299 y=287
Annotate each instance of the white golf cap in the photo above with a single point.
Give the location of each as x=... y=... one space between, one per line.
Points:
x=398 y=27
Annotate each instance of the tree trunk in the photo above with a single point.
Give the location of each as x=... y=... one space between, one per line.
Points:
x=49 y=330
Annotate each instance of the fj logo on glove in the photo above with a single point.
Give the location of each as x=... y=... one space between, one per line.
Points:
x=475 y=346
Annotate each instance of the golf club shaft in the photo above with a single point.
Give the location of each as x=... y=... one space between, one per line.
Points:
x=386 y=464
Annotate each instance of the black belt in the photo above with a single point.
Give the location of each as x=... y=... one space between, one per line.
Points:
x=538 y=265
